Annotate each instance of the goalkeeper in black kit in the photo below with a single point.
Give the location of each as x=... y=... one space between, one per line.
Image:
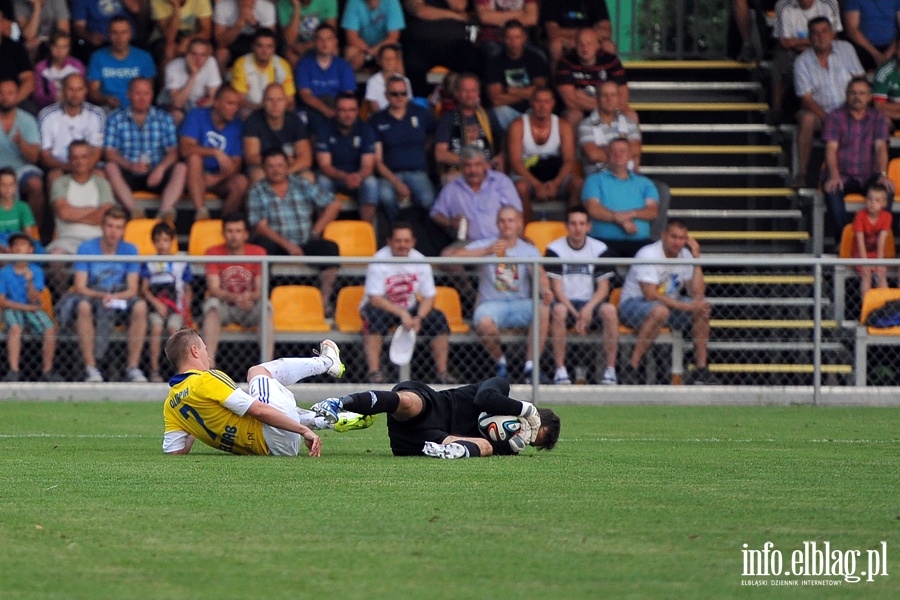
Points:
x=444 y=424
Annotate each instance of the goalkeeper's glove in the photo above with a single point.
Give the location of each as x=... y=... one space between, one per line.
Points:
x=530 y=415
x=517 y=443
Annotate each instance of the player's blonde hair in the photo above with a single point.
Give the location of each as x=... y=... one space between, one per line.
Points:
x=179 y=345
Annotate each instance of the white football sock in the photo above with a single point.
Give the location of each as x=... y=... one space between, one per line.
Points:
x=287 y=371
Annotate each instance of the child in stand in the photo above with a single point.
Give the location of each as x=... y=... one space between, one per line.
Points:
x=390 y=59
x=15 y=215
x=21 y=284
x=870 y=231
x=50 y=72
x=166 y=285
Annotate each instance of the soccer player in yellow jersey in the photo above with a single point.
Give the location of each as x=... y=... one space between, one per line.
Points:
x=205 y=404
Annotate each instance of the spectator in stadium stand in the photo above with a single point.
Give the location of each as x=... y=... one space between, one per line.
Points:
x=603 y=125
x=402 y=134
x=512 y=75
x=21 y=285
x=191 y=80
x=20 y=147
x=886 y=88
x=821 y=75
x=871 y=27
x=402 y=295
x=345 y=153
x=179 y=19
x=493 y=15
x=282 y=209
x=541 y=150
x=252 y=72
x=580 y=73
x=368 y=26
x=321 y=76
x=437 y=34
x=476 y=196
x=654 y=297
x=298 y=21
x=792 y=34
x=15 y=215
x=111 y=68
x=390 y=62
x=15 y=64
x=105 y=294
x=856 y=139
x=142 y=152
x=234 y=290
x=210 y=141
x=68 y=120
x=79 y=200
x=504 y=291
x=50 y=72
x=469 y=124
x=563 y=19
x=235 y=22
x=38 y=21
x=274 y=126
x=581 y=293
x=91 y=20
x=621 y=203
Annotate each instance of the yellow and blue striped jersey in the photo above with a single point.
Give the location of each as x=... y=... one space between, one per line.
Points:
x=197 y=405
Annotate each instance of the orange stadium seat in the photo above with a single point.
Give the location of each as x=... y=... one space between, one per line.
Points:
x=541 y=233
x=346 y=313
x=137 y=231
x=354 y=238
x=204 y=235
x=298 y=308
x=447 y=301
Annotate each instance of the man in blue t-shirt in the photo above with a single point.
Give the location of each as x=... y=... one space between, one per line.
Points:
x=345 y=151
x=111 y=68
x=402 y=132
x=91 y=20
x=322 y=75
x=210 y=141
x=621 y=203
x=107 y=292
x=369 y=25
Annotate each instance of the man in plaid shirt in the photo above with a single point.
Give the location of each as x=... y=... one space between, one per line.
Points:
x=281 y=209
x=141 y=150
x=856 y=151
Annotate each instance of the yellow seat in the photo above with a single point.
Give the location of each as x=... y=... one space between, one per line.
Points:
x=848 y=239
x=615 y=296
x=354 y=238
x=204 y=235
x=137 y=231
x=346 y=312
x=541 y=233
x=298 y=308
x=447 y=301
x=854 y=199
x=894 y=175
x=876 y=298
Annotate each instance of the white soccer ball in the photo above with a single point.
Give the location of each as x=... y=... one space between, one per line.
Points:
x=498 y=428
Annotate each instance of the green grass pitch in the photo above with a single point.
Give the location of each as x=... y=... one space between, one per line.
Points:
x=637 y=502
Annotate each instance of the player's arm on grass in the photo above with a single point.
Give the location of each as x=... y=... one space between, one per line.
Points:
x=177 y=442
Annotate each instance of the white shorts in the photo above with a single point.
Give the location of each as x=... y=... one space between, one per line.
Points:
x=269 y=391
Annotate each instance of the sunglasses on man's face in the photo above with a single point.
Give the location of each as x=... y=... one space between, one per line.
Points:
x=397 y=94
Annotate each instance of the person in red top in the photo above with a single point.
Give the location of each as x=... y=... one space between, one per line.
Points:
x=234 y=290
x=870 y=232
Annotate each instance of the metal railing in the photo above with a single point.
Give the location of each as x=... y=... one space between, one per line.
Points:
x=776 y=321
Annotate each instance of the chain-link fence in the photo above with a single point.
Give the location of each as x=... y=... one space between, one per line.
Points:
x=773 y=322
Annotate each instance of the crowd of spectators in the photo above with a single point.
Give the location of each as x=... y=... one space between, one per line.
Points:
x=284 y=108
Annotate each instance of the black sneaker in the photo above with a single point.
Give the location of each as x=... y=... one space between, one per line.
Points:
x=11 y=377
x=701 y=376
x=630 y=376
